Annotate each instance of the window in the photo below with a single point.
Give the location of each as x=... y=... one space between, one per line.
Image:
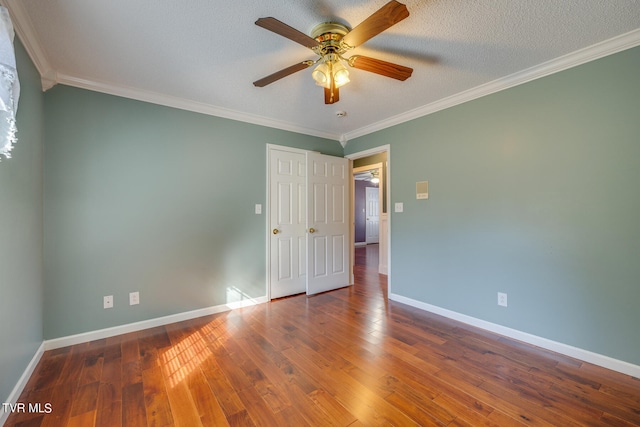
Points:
x=9 y=86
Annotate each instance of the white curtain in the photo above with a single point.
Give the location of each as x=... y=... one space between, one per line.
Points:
x=9 y=85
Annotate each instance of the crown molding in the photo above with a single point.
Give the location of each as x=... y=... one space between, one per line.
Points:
x=28 y=36
x=343 y=140
x=188 y=105
x=579 y=57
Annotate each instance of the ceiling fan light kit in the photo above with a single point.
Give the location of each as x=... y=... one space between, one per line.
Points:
x=330 y=41
x=331 y=70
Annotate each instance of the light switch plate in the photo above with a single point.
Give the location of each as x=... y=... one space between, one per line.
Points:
x=399 y=207
x=258 y=209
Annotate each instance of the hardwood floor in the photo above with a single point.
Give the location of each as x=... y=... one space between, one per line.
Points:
x=348 y=357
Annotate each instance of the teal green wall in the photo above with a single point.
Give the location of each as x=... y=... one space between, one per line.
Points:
x=533 y=192
x=140 y=197
x=21 y=282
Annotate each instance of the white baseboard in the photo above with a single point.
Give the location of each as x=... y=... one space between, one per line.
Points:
x=146 y=324
x=577 y=353
x=22 y=382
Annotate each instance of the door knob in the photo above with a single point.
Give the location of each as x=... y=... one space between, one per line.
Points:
x=276 y=231
x=312 y=230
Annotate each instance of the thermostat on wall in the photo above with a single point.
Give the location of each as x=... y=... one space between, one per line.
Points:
x=422 y=190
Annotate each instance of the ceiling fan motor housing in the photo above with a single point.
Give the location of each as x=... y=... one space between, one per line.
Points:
x=332 y=28
x=329 y=35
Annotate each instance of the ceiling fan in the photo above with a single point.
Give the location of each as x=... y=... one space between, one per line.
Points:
x=330 y=40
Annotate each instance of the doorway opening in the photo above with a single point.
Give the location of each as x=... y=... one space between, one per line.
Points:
x=370 y=234
x=367 y=196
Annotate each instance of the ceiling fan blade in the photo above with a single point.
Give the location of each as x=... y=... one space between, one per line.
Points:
x=282 y=73
x=387 y=16
x=278 y=27
x=378 y=66
x=331 y=98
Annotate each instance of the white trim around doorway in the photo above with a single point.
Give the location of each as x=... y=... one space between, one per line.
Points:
x=366 y=153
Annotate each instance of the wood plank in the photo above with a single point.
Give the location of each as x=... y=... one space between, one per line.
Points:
x=86 y=399
x=475 y=415
x=222 y=389
x=113 y=348
x=241 y=419
x=338 y=414
x=61 y=401
x=133 y=406
x=260 y=412
x=156 y=402
x=500 y=419
x=419 y=408
x=109 y=406
x=131 y=373
x=49 y=370
x=150 y=343
x=91 y=370
x=129 y=348
x=209 y=409
x=83 y=420
x=183 y=409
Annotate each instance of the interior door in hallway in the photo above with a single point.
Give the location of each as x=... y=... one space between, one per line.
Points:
x=372 y=210
x=328 y=223
x=287 y=216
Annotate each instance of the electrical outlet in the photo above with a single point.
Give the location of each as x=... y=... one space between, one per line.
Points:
x=134 y=298
x=502 y=299
x=108 y=301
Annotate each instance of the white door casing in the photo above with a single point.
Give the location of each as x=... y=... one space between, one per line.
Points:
x=327 y=223
x=287 y=216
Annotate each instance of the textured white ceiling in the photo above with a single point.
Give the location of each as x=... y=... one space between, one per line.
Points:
x=203 y=55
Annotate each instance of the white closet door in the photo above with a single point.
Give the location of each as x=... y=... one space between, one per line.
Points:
x=288 y=218
x=327 y=223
